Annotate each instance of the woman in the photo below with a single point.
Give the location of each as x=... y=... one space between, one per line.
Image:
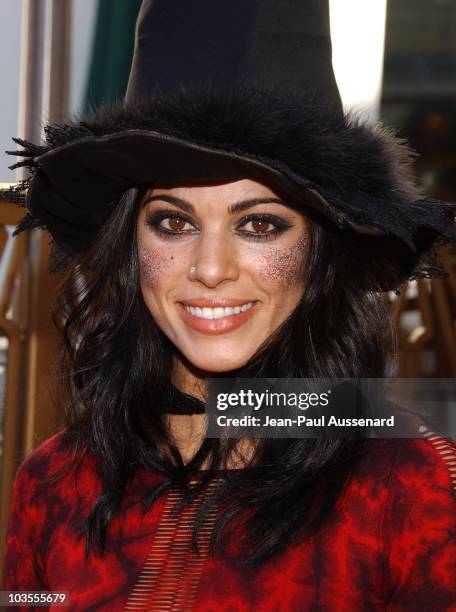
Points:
x=166 y=211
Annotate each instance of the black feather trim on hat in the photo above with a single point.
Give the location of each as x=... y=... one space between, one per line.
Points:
x=359 y=176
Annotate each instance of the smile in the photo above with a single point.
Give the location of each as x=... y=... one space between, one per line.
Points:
x=217 y=313
x=217 y=320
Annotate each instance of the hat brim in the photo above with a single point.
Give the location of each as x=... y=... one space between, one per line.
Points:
x=79 y=183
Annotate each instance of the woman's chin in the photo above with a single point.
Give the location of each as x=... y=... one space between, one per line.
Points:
x=216 y=363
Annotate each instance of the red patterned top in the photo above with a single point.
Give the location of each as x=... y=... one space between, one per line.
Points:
x=390 y=546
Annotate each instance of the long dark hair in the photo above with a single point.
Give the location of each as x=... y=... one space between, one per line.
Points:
x=115 y=360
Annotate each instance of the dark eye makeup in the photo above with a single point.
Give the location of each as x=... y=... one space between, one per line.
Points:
x=154 y=219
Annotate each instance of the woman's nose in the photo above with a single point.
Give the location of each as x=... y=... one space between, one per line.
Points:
x=214 y=260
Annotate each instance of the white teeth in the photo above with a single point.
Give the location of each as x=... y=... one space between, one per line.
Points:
x=217 y=313
x=207 y=313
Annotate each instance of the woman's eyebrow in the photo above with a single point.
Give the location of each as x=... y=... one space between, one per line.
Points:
x=233 y=209
x=244 y=204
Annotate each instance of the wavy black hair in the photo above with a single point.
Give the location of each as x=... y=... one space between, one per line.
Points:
x=115 y=361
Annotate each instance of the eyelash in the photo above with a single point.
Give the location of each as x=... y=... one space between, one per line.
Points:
x=155 y=218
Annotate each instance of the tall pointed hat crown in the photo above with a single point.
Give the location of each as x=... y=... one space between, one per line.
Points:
x=279 y=44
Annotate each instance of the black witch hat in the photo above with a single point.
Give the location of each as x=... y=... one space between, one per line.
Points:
x=221 y=91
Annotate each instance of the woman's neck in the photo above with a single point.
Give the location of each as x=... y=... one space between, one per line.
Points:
x=189 y=379
x=188 y=430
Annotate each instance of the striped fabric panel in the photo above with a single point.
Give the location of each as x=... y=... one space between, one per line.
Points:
x=446 y=447
x=171 y=573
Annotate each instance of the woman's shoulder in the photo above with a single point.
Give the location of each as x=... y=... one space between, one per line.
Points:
x=424 y=472
x=57 y=467
x=432 y=452
x=412 y=478
x=51 y=454
x=412 y=451
x=60 y=468
x=44 y=455
x=428 y=459
x=408 y=482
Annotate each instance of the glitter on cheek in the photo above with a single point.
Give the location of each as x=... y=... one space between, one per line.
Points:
x=283 y=266
x=154 y=265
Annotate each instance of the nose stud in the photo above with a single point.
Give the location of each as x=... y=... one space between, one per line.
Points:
x=192 y=269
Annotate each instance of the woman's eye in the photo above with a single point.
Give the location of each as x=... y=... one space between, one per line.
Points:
x=174 y=224
x=265 y=227
x=169 y=224
x=259 y=226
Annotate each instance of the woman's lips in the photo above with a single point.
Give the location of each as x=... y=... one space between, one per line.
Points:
x=216 y=326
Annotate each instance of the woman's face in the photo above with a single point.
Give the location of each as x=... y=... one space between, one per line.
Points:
x=221 y=267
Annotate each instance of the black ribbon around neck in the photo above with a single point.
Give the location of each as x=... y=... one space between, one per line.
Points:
x=173 y=401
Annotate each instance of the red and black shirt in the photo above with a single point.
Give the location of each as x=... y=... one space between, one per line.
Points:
x=391 y=543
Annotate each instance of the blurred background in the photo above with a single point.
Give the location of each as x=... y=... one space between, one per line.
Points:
x=395 y=62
